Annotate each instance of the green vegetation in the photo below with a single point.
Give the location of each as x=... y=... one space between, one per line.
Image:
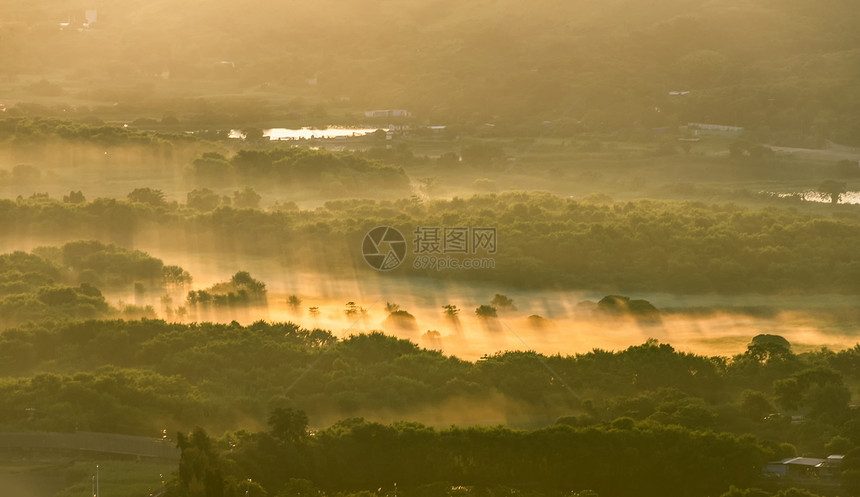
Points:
x=645 y=403
x=66 y=143
x=141 y=376
x=544 y=240
x=619 y=305
x=486 y=311
x=699 y=154
x=37 y=132
x=110 y=266
x=399 y=319
x=298 y=168
x=472 y=158
x=355 y=455
x=54 y=283
x=242 y=289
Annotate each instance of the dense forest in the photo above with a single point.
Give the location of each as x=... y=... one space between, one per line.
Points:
x=544 y=240
x=274 y=365
x=66 y=282
x=358 y=457
x=685 y=413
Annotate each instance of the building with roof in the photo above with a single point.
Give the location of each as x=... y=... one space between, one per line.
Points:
x=805 y=467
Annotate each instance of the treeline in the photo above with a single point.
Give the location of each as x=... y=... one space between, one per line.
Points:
x=91 y=262
x=356 y=457
x=36 y=131
x=542 y=239
x=140 y=377
x=65 y=282
x=224 y=376
x=301 y=167
x=62 y=143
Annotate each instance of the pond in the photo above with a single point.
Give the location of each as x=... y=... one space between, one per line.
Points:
x=308 y=133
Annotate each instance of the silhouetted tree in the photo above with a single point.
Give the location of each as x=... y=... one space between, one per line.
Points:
x=500 y=301
x=74 y=197
x=833 y=190
x=246 y=198
x=294 y=301
x=486 y=311
x=200 y=473
x=764 y=348
x=203 y=199
x=148 y=196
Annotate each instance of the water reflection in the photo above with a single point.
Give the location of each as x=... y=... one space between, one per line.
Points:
x=814 y=196
x=307 y=133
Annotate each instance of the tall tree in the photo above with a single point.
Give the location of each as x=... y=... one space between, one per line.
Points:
x=200 y=472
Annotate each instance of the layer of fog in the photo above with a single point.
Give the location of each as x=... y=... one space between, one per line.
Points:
x=704 y=324
x=851 y=197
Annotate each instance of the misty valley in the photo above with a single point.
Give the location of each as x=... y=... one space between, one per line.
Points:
x=430 y=248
